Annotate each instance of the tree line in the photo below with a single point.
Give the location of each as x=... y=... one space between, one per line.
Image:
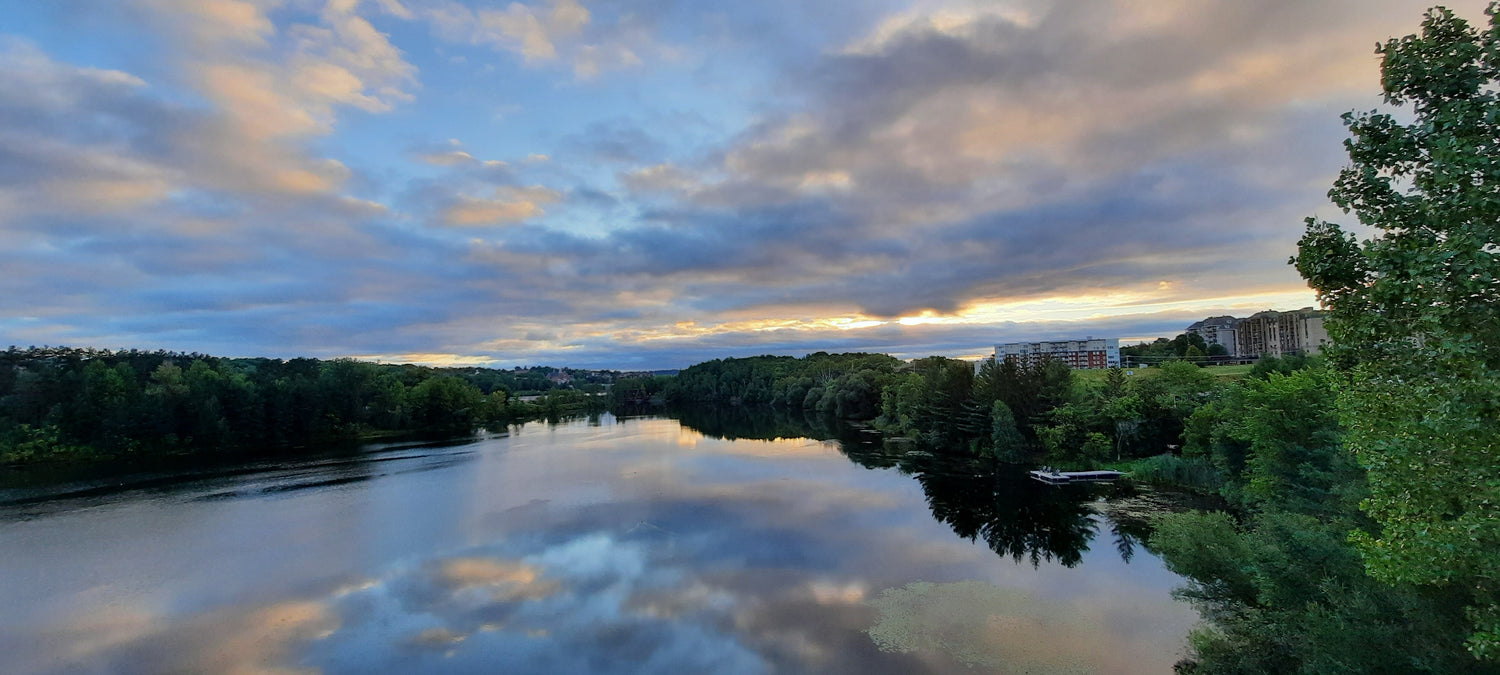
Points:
x=1042 y=411
x=1188 y=346
x=844 y=385
x=66 y=404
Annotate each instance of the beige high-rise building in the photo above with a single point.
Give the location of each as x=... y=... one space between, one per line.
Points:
x=1279 y=334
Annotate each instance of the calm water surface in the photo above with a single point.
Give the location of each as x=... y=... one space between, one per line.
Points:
x=638 y=545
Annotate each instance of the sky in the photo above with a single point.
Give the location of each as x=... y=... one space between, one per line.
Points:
x=649 y=184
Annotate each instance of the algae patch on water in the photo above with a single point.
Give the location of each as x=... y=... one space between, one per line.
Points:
x=980 y=625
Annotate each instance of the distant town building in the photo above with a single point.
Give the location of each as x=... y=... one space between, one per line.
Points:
x=1087 y=353
x=1267 y=333
x=1218 y=330
x=1279 y=334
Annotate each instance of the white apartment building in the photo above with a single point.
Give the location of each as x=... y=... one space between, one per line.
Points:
x=1086 y=353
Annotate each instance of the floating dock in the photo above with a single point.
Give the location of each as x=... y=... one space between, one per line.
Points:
x=1054 y=476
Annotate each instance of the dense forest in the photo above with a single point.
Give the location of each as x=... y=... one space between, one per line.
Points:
x=70 y=404
x=844 y=385
x=62 y=404
x=1277 y=576
x=1044 y=411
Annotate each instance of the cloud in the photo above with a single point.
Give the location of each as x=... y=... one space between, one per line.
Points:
x=502 y=580
x=953 y=158
x=528 y=30
x=251 y=640
x=449 y=158
x=130 y=206
x=49 y=166
x=289 y=89
x=549 y=31
x=800 y=180
x=465 y=171
x=659 y=178
x=506 y=205
x=274 y=90
x=593 y=59
x=214 y=22
x=617 y=140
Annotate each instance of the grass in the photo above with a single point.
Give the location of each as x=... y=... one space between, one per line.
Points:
x=1231 y=372
x=1225 y=373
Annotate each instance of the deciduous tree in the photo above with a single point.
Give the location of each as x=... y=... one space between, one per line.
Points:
x=1414 y=310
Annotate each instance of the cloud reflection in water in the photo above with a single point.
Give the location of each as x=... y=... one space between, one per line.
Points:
x=620 y=548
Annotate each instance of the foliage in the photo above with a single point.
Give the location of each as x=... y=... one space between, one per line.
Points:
x=25 y=443
x=1283 y=364
x=1280 y=585
x=445 y=404
x=639 y=392
x=1067 y=431
x=1006 y=442
x=64 y=404
x=931 y=400
x=1168 y=469
x=1166 y=401
x=1415 y=313
x=844 y=385
x=559 y=403
x=943 y=404
x=1030 y=390
x=1048 y=414
x=1151 y=353
x=1288 y=594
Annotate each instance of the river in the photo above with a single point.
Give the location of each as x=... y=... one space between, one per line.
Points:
x=609 y=545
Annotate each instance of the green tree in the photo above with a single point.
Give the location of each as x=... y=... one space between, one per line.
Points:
x=445 y=404
x=1006 y=442
x=1114 y=382
x=1177 y=389
x=1290 y=595
x=1067 y=433
x=1096 y=447
x=1414 y=312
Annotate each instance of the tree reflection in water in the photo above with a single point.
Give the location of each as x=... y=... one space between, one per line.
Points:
x=1017 y=517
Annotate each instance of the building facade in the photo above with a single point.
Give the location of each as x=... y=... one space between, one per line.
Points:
x=1218 y=330
x=1281 y=333
x=1086 y=353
